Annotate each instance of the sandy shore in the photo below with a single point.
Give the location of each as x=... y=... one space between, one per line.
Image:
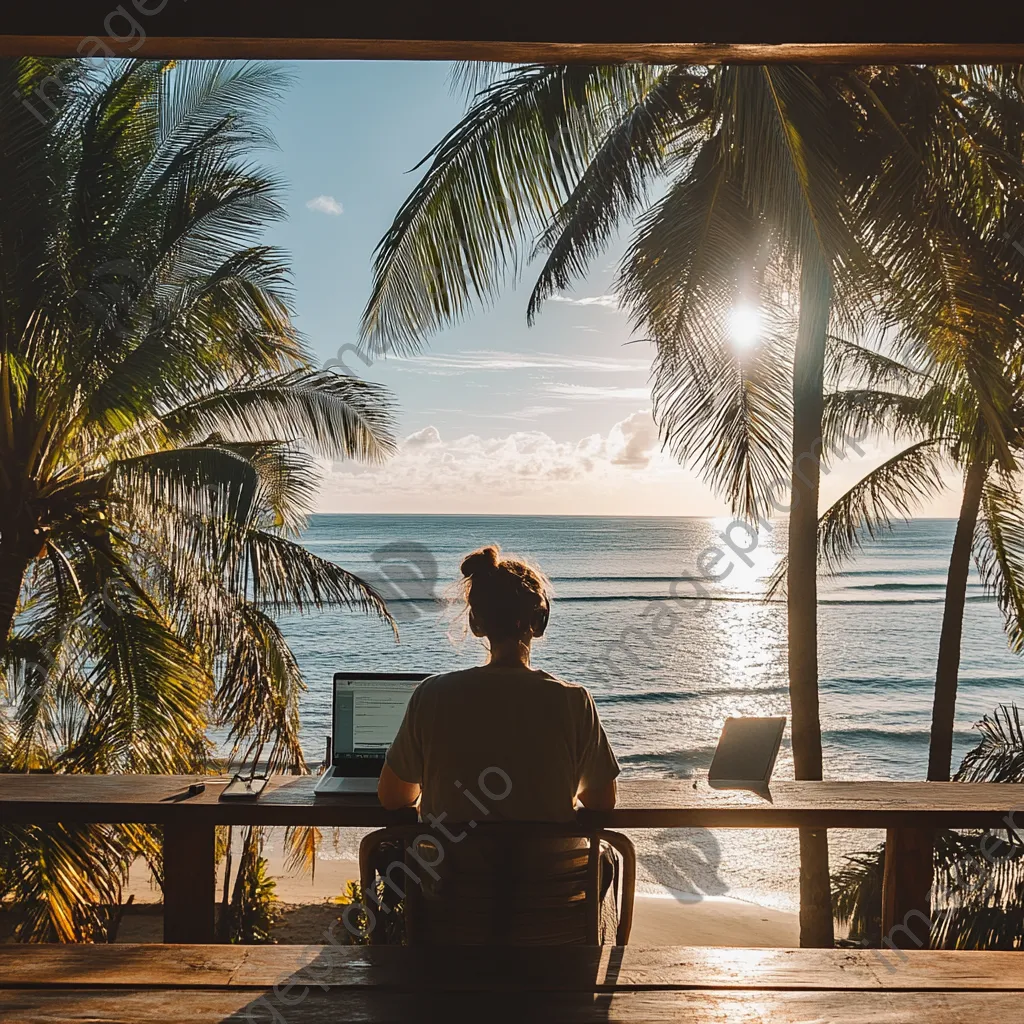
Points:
x=660 y=919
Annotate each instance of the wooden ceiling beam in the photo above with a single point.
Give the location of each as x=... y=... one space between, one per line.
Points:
x=156 y=46
x=689 y=31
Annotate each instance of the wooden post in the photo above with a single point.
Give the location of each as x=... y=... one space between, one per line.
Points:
x=906 y=888
x=189 y=882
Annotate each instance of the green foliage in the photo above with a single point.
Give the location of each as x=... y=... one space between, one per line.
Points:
x=249 y=917
x=64 y=880
x=999 y=756
x=354 y=924
x=978 y=895
x=857 y=896
x=945 y=377
x=161 y=427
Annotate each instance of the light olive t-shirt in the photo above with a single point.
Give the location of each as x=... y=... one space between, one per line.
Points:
x=489 y=744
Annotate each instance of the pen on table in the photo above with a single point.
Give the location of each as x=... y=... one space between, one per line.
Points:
x=194 y=789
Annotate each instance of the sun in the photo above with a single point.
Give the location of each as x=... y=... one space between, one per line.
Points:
x=744 y=327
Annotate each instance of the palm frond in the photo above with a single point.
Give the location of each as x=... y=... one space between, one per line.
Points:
x=857 y=895
x=258 y=694
x=337 y=415
x=890 y=491
x=999 y=553
x=302 y=843
x=202 y=480
x=733 y=425
x=999 y=755
x=63 y=879
x=857 y=366
x=468 y=78
x=614 y=185
x=148 y=692
x=493 y=181
x=284 y=576
x=689 y=252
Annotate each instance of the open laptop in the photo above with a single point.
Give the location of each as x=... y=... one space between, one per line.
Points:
x=367 y=709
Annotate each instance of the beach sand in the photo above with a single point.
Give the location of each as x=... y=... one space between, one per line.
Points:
x=664 y=918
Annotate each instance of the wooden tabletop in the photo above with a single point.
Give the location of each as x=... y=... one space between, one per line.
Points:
x=161 y=984
x=643 y=803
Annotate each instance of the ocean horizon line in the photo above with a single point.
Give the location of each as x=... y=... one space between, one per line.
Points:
x=573 y=515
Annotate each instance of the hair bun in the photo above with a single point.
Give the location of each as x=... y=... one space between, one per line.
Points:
x=480 y=562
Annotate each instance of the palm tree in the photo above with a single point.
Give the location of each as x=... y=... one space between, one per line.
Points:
x=951 y=383
x=160 y=430
x=979 y=875
x=951 y=388
x=942 y=428
x=938 y=414
x=777 y=180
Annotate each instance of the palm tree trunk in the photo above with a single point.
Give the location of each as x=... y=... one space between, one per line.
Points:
x=917 y=860
x=13 y=566
x=940 y=753
x=816 y=927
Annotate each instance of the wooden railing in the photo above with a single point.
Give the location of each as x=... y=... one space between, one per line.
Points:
x=908 y=811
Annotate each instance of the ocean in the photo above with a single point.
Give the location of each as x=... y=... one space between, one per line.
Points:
x=669 y=654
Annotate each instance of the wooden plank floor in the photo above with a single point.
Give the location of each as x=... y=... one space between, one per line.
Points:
x=168 y=985
x=572 y=968
x=221 y=1006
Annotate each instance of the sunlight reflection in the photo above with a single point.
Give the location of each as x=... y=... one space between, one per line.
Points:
x=750 y=554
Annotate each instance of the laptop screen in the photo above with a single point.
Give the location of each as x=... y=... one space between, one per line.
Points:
x=368 y=709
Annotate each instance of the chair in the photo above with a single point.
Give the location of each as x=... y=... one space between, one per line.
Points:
x=507 y=883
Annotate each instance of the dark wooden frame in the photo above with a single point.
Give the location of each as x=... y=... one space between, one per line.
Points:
x=743 y=31
x=539 y=52
x=757 y=31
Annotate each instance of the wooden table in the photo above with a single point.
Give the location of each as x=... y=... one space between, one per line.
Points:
x=907 y=810
x=327 y=985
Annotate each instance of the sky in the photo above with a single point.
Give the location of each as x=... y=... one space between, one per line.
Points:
x=493 y=416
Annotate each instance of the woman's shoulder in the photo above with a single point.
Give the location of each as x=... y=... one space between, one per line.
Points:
x=484 y=673
x=552 y=679
x=575 y=693
x=447 y=680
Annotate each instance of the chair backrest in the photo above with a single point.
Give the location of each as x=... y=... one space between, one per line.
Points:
x=508 y=883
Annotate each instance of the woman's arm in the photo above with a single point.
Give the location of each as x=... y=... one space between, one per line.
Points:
x=598 y=798
x=394 y=793
x=597 y=790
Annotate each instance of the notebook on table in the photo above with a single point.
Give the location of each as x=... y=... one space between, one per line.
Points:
x=366 y=710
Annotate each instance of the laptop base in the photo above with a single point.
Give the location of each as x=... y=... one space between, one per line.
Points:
x=329 y=784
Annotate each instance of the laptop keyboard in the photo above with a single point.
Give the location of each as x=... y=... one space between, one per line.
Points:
x=359 y=765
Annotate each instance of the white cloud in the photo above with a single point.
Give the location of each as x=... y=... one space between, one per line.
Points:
x=605 y=301
x=489 y=361
x=423 y=438
x=530 y=412
x=597 y=393
x=635 y=438
x=620 y=471
x=326 y=204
